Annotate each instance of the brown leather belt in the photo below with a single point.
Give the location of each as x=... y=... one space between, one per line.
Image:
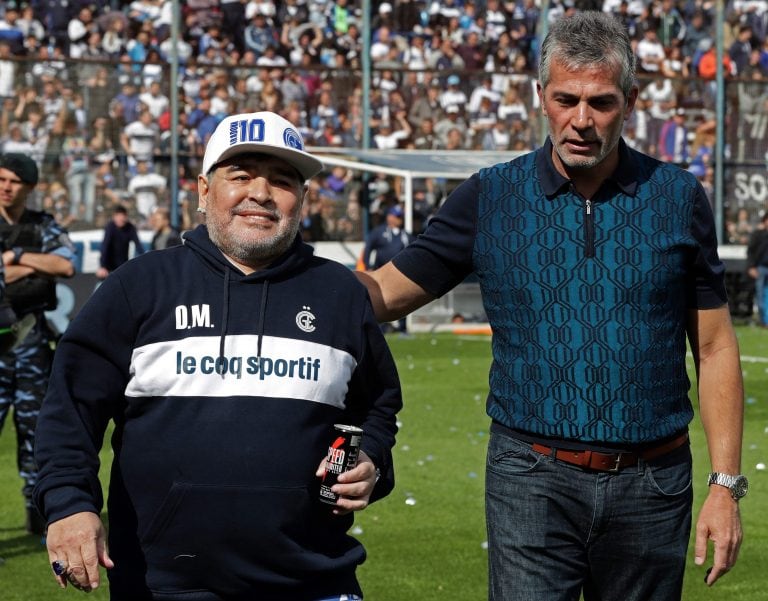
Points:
x=610 y=462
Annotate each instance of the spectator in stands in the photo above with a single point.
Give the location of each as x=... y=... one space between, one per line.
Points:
x=202 y=120
x=271 y=58
x=396 y=102
x=385 y=81
x=99 y=91
x=148 y=189
x=260 y=35
x=484 y=90
x=7 y=70
x=707 y=62
x=441 y=13
x=673 y=139
x=393 y=134
x=78 y=31
x=56 y=132
x=447 y=59
x=311 y=226
x=740 y=49
x=144 y=11
x=291 y=10
x=154 y=99
x=650 y=51
x=497 y=137
x=137 y=49
x=152 y=70
x=233 y=20
x=294 y=89
x=129 y=99
x=338 y=180
x=752 y=95
x=455 y=140
x=114 y=40
x=756 y=63
x=675 y=68
x=325 y=110
x=15 y=142
x=671 y=25
x=29 y=25
x=417 y=55
x=299 y=40
x=454 y=95
x=450 y=122
x=427 y=105
x=472 y=51
x=424 y=137
x=183 y=50
x=10 y=31
x=100 y=144
x=140 y=139
x=481 y=121
x=469 y=17
x=383 y=19
x=707 y=70
x=511 y=106
x=496 y=20
x=81 y=184
x=381 y=44
x=661 y=100
x=695 y=31
x=350 y=127
x=757 y=19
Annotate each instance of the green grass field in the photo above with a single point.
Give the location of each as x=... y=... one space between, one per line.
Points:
x=427 y=540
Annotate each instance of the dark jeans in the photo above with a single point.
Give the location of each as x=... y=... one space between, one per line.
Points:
x=556 y=530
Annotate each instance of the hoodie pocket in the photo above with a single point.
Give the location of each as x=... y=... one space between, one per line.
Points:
x=231 y=539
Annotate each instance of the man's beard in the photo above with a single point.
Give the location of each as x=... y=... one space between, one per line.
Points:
x=248 y=250
x=584 y=162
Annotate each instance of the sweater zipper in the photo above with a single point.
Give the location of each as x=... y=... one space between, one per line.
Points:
x=589 y=229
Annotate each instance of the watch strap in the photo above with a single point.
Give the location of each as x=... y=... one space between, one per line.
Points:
x=736 y=484
x=17 y=252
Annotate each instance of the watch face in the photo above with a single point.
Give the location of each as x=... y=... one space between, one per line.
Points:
x=740 y=487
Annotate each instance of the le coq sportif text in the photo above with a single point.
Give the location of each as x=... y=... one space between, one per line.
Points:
x=304 y=368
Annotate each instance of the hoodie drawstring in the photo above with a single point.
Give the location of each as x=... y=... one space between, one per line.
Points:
x=262 y=315
x=225 y=320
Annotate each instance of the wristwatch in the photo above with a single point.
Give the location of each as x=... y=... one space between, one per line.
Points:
x=17 y=252
x=738 y=484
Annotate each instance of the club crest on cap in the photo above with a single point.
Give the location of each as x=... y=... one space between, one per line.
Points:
x=292 y=139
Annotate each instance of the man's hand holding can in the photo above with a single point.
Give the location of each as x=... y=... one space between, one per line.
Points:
x=354 y=487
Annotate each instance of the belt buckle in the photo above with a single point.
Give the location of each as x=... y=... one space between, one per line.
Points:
x=617 y=463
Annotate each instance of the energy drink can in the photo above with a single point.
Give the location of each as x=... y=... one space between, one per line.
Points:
x=342 y=457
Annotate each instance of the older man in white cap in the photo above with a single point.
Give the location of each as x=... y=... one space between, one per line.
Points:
x=225 y=364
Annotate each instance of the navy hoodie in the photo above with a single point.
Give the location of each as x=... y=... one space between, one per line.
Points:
x=224 y=389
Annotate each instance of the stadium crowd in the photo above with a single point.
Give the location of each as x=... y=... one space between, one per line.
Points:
x=84 y=88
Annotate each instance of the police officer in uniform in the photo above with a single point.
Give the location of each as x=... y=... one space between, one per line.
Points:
x=35 y=250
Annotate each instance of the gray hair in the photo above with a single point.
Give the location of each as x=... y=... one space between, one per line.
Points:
x=589 y=39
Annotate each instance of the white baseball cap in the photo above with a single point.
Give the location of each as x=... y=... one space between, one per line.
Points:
x=263 y=132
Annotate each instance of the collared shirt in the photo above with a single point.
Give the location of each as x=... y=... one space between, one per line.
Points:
x=587 y=298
